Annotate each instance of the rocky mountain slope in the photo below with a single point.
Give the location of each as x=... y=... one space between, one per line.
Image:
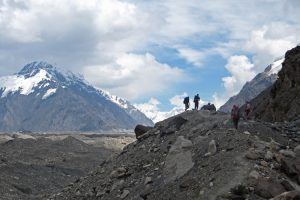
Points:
x=42 y=98
x=254 y=87
x=281 y=102
x=197 y=155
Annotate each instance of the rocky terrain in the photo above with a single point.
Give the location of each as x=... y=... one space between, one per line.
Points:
x=198 y=155
x=254 y=87
x=281 y=102
x=32 y=166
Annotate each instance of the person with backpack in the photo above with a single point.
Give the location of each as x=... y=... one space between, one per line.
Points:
x=235 y=116
x=196 y=101
x=247 y=110
x=186 y=102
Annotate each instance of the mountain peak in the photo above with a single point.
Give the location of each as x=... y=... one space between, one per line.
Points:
x=32 y=68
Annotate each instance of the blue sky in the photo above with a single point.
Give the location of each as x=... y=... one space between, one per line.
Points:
x=151 y=50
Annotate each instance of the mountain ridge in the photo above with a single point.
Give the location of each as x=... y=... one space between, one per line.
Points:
x=40 y=88
x=254 y=87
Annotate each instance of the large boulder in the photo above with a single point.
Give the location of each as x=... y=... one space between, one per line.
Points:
x=210 y=107
x=141 y=130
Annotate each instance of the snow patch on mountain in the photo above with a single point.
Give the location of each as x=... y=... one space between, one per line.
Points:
x=49 y=93
x=117 y=100
x=15 y=83
x=276 y=66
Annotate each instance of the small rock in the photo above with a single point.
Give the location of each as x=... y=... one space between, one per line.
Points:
x=148 y=180
x=146 y=166
x=292 y=195
x=201 y=192
x=254 y=174
x=253 y=155
x=287 y=185
x=144 y=194
x=246 y=133
x=268 y=188
x=188 y=183
x=78 y=193
x=278 y=157
x=297 y=150
x=269 y=156
x=212 y=148
x=124 y=194
x=207 y=154
x=211 y=184
x=287 y=153
x=100 y=194
x=263 y=163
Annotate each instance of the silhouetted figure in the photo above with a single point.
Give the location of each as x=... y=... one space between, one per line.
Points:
x=247 y=110
x=186 y=102
x=235 y=116
x=196 y=101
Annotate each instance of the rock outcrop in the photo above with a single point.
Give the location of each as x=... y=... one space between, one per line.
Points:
x=281 y=102
x=210 y=107
x=140 y=130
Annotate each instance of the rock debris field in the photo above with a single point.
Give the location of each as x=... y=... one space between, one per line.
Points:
x=198 y=155
x=32 y=166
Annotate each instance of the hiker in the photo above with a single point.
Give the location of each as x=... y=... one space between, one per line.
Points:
x=247 y=110
x=196 y=101
x=235 y=116
x=186 y=102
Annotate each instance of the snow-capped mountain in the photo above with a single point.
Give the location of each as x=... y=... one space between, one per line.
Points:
x=43 y=98
x=254 y=87
x=156 y=116
x=128 y=107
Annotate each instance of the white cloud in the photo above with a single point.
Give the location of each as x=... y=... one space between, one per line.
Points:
x=152 y=111
x=218 y=100
x=192 y=56
x=177 y=100
x=133 y=76
x=241 y=70
x=270 y=42
x=102 y=34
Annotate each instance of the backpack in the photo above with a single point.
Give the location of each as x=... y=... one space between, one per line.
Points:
x=186 y=100
x=235 y=112
x=248 y=107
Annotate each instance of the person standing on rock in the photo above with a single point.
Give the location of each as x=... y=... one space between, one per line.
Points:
x=196 y=101
x=186 y=102
x=235 y=116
